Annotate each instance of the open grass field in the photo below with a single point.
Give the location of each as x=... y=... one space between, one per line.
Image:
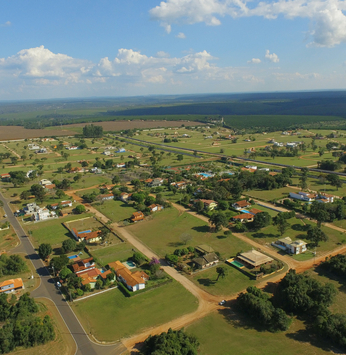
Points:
x=268 y=195
x=84 y=223
x=52 y=232
x=121 y=252
x=116 y=210
x=8 y=239
x=227 y=333
x=163 y=232
x=112 y=316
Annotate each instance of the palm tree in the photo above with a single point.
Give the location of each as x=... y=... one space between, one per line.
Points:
x=221 y=271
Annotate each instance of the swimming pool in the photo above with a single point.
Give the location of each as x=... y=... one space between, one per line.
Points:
x=73 y=256
x=205 y=174
x=244 y=211
x=237 y=264
x=130 y=264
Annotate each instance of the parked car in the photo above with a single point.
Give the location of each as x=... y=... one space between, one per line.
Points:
x=58 y=284
x=222 y=302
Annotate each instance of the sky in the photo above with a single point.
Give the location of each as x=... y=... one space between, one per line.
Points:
x=68 y=49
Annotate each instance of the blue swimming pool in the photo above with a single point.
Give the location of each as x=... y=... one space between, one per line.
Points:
x=72 y=256
x=129 y=263
x=244 y=211
x=205 y=174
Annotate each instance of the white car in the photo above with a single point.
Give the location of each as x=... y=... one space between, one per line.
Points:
x=222 y=302
x=58 y=284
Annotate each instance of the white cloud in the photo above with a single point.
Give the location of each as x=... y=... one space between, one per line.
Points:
x=181 y=35
x=40 y=73
x=327 y=16
x=272 y=57
x=254 y=61
x=6 y=24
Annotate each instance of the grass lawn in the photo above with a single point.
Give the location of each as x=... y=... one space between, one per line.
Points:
x=112 y=316
x=265 y=209
x=268 y=195
x=163 y=232
x=116 y=210
x=8 y=239
x=121 y=251
x=225 y=333
x=52 y=232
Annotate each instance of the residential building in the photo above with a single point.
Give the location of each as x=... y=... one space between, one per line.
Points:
x=125 y=196
x=209 y=205
x=137 y=216
x=121 y=165
x=206 y=260
x=31 y=208
x=134 y=281
x=244 y=217
x=241 y=204
x=33 y=146
x=11 y=285
x=83 y=265
x=106 y=197
x=50 y=186
x=121 y=150
x=303 y=196
x=44 y=182
x=254 y=258
x=5 y=177
x=43 y=214
x=286 y=244
x=154 y=182
x=155 y=208
x=62 y=204
x=88 y=236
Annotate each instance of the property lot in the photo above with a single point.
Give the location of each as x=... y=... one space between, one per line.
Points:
x=52 y=232
x=121 y=252
x=227 y=333
x=112 y=316
x=163 y=234
x=116 y=210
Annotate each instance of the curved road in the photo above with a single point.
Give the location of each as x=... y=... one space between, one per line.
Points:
x=47 y=289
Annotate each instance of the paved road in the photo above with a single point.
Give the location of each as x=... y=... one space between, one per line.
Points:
x=47 y=289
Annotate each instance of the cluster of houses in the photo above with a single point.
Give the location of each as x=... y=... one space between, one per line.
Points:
x=38 y=213
x=87 y=270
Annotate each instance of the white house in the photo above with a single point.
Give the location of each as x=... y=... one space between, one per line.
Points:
x=33 y=146
x=44 y=182
x=254 y=167
x=286 y=244
x=278 y=144
x=303 y=196
x=43 y=214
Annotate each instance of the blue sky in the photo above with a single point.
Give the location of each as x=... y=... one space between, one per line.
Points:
x=135 y=47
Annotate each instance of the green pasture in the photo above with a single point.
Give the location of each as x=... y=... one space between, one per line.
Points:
x=132 y=315
x=121 y=252
x=227 y=333
x=116 y=210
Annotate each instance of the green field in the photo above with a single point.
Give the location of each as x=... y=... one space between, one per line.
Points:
x=226 y=333
x=121 y=252
x=112 y=316
x=52 y=232
x=163 y=232
x=116 y=210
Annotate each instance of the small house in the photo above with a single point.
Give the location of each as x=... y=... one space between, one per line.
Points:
x=83 y=265
x=11 y=285
x=62 y=204
x=206 y=260
x=244 y=217
x=286 y=244
x=5 y=177
x=254 y=258
x=209 y=205
x=241 y=204
x=107 y=197
x=137 y=216
x=154 y=208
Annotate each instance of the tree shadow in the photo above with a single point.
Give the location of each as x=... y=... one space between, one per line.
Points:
x=300 y=227
x=175 y=244
x=202 y=229
x=206 y=282
x=221 y=237
x=264 y=235
x=307 y=335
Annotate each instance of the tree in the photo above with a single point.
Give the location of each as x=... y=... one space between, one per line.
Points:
x=334 y=180
x=316 y=235
x=68 y=245
x=79 y=209
x=38 y=191
x=280 y=221
x=104 y=235
x=175 y=342
x=65 y=271
x=44 y=250
x=59 y=193
x=185 y=238
x=180 y=157
x=261 y=220
x=115 y=179
x=59 y=262
x=219 y=220
x=92 y=131
x=138 y=258
x=221 y=271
